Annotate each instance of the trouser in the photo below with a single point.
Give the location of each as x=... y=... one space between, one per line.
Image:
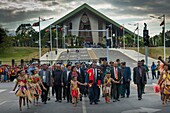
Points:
x=121 y=90
x=12 y=77
x=85 y=90
x=2 y=78
x=140 y=87
x=58 y=91
x=53 y=90
x=158 y=74
x=116 y=93
x=81 y=91
x=44 y=92
x=153 y=74
x=93 y=93
x=64 y=91
x=98 y=93
x=112 y=92
x=68 y=93
x=126 y=88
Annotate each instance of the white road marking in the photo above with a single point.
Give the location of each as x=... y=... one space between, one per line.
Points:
x=83 y=105
x=141 y=110
x=2 y=103
x=2 y=90
x=12 y=92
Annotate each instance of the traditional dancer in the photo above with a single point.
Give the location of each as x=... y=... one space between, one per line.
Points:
x=75 y=90
x=107 y=86
x=164 y=83
x=35 y=83
x=22 y=91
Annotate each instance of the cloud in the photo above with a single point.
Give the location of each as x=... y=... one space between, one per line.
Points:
x=122 y=11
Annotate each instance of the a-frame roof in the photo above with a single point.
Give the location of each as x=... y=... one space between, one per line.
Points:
x=86 y=6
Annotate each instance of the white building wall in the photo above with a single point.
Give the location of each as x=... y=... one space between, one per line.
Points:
x=94 y=26
x=76 y=23
x=93 y=22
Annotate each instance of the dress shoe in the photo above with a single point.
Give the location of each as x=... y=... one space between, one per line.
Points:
x=118 y=100
x=139 y=98
x=45 y=102
x=95 y=103
x=59 y=101
x=114 y=100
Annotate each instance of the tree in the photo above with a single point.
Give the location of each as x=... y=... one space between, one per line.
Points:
x=2 y=34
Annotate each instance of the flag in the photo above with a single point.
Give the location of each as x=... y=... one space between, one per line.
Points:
x=136 y=29
x=35 y=24
x=162 y=23
x=43 y=19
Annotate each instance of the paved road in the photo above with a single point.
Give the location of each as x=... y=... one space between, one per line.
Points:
x=150 y=104
x=75 y=56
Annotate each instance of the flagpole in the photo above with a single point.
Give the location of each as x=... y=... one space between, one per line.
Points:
x=138 y=40
x=39 y=41
x=123 y=37
x=164 y=38
x=51 y=42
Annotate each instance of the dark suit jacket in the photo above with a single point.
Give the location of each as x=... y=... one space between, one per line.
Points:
x=70 y=78
x=136 y=75
x=113 y=74
x=127 y=74
x=48 y=76
x=99 y=77
x=57 y=76
x=65 y=80
x=82 y=75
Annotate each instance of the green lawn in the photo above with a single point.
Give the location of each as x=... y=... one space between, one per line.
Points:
x=18 y=53
x=153 y=52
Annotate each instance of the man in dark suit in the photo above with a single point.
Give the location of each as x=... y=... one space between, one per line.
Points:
x=117 y=76
x=126 y=73
x=46 y=80
x=82 y=76
x=65 y=77
x=57 y=76
x=139 y=77
x=94 y=79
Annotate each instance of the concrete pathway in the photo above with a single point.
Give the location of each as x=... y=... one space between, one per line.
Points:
x=51 y=56
x=135 y=55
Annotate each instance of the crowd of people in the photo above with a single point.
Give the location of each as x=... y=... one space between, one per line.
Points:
x=73 y=81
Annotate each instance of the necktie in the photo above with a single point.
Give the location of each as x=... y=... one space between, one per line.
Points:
x=95 y=77
x=140 y=72
x=116 y=73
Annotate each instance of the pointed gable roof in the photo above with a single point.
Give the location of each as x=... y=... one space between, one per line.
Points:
x=86 y=6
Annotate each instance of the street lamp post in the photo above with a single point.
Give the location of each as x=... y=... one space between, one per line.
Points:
x=137 y=24
x=107 y=38
x=40 y=35
x=124 y=43
x=56 y=37
x=164 y=39
x=160 y=17
x=111 y=27
x=39 y=40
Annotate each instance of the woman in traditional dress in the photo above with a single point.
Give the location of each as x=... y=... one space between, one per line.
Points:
x=22 y=91
x=75 y=90
x=164 y=83
x=35 y=82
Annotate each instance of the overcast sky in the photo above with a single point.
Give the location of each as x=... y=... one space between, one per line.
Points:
x=16 y=12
